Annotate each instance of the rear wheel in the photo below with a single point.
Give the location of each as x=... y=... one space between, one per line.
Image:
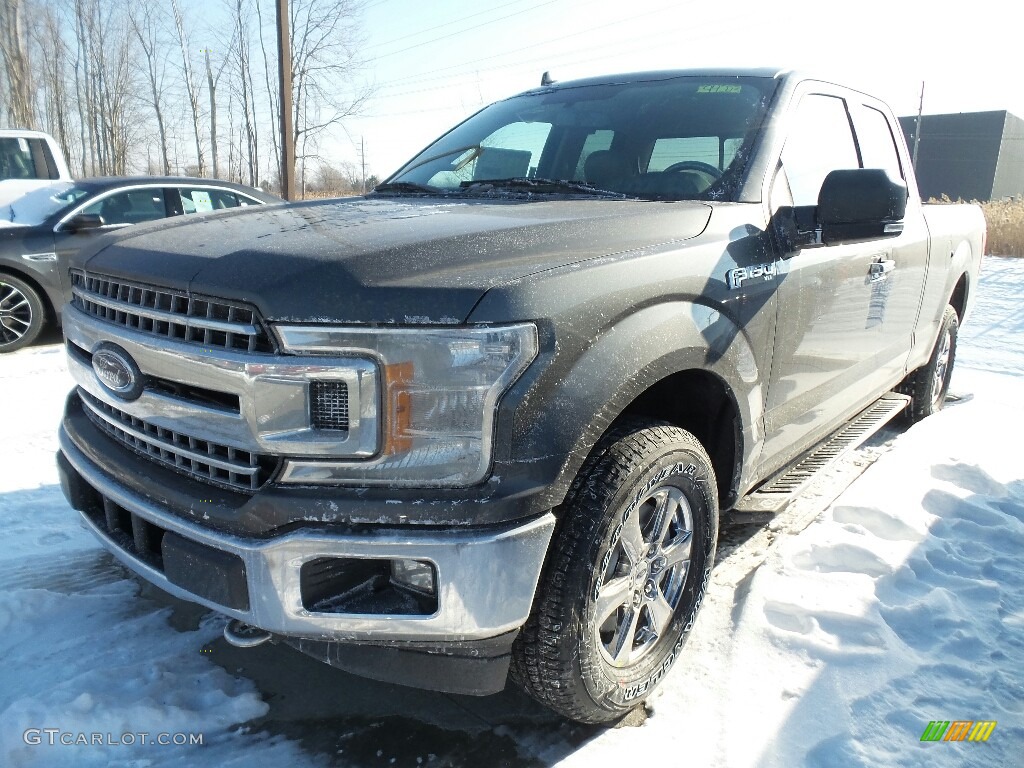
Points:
x=929 y=385
x=626 y=574
x=22 y=313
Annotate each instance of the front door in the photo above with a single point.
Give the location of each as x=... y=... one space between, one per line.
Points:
x=845 y=312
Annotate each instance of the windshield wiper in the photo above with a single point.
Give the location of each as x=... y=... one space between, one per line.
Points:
x=405 y=186
x=540 y=186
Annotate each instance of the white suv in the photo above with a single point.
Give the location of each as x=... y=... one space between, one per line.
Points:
x=29 y=160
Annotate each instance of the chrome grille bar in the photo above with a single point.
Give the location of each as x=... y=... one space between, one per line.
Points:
x=202 y=459
x=168 y=313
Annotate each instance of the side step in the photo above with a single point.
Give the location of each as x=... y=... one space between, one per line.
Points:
x=776 y=493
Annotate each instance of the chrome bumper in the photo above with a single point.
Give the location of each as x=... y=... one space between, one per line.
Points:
x=486 y=578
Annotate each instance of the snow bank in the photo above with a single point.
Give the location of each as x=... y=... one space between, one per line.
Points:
x=901 y=604
x=82 y=651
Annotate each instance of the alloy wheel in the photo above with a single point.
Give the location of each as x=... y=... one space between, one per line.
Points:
x=15 y=314
x=644 y=575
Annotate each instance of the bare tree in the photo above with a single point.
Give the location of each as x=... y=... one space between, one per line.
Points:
x=54 y=58
x=191 y=86
x=105 y=75
x=211 y=87
x=146 y=26
x=325 y=45
x=249 y=130
x=271 y=84
x=14 y=48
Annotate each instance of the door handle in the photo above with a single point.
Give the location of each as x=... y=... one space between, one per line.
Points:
x=879 y=269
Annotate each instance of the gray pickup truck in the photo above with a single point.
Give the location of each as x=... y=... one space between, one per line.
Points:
x=485 y=419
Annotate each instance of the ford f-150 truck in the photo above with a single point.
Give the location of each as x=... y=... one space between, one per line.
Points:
x=483 y=421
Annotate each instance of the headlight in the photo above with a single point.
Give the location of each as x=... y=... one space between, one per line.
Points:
x=440 y=388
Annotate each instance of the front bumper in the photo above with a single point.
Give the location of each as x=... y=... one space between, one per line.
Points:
x=486 y=577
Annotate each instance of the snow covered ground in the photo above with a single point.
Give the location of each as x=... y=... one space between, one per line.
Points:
x=828 y=640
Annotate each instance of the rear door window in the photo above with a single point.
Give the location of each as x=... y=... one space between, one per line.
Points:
x=877 y=145
x=197 y=200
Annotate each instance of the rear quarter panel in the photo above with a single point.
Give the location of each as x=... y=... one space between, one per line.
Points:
x=957 y=236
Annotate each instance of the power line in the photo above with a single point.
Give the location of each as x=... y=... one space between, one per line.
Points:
x=446 y=24
x=418 y=78
x=463 y=31
x=523 y=62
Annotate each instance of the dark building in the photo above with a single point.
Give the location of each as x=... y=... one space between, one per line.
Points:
x=969 y=156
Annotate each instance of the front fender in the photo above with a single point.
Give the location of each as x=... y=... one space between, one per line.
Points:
x=563 y=412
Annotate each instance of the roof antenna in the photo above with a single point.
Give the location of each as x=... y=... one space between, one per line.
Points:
x=545 y=79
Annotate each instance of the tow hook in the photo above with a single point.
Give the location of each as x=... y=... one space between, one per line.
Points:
x=242 y=635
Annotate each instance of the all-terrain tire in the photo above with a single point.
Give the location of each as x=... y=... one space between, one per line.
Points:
x=929 y=385
x=628 y=568
x=22 y=313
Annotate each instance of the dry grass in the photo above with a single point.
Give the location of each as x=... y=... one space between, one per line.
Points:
x=1005 y=219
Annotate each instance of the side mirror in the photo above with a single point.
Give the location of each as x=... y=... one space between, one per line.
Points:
x=861 y=204
x=83 y=222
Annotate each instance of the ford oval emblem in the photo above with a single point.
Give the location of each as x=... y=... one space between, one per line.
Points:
x=117 y=372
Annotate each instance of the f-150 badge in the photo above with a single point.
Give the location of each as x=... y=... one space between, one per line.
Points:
x=735 y=277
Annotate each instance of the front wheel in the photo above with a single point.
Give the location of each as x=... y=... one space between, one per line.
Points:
x=626 y=575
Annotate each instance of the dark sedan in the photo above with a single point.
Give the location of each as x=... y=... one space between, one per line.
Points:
x=40 y=231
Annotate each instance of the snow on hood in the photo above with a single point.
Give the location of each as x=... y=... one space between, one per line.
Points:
x=382 y=260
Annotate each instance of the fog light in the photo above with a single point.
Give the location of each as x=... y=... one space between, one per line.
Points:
x=416 y=575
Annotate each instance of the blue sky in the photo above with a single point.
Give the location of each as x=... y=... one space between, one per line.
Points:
x=436 y=61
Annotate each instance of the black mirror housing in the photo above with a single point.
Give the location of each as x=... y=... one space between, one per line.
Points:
x=83 y=222
x=861 y=204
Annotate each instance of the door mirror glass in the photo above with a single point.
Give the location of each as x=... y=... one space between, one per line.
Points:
x=861 y=204
x=83 y=222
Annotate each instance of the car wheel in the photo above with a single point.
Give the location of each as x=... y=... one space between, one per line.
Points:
x=22 y=314
x=929 y=385
x=626 y=574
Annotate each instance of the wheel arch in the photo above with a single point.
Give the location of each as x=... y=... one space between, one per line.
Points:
x=958 y=299
x=681 y=362
x=700 y=402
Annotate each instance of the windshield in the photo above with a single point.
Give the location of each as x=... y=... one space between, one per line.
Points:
x=37 y=206
x=677 y=138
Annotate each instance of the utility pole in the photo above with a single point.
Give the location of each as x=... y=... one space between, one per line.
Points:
x=284 y=72
x=362 y=158
x=917 y=127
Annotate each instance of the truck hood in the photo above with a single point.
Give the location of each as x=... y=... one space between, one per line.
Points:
x=385 y=260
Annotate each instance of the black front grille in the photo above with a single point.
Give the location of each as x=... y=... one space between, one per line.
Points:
x=200 y=569
x=328 y=404
x=201 y=459
x=171 y=314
